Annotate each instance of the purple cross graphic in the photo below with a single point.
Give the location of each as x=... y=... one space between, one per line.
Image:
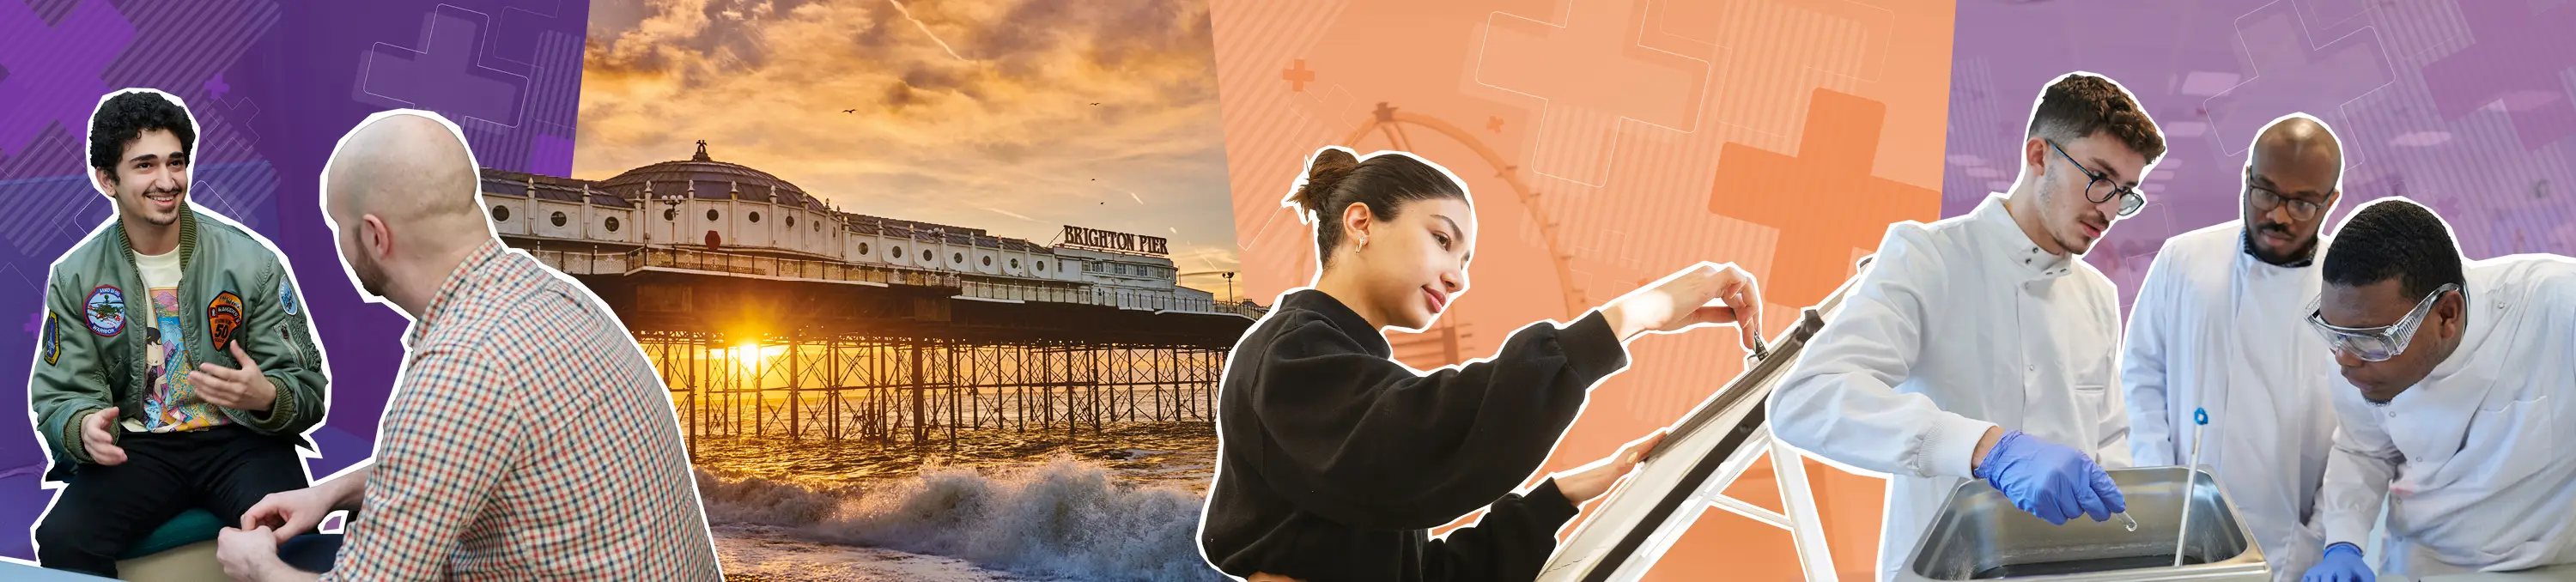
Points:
x=217 y=86
x=54 y=71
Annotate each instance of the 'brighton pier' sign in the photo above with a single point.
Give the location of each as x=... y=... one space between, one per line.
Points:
x=1115 y=241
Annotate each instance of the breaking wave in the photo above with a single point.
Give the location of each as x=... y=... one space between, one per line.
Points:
x=1063 y=518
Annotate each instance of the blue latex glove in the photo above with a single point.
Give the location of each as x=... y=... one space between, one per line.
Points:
x=2050 y=480
x=2342 y=563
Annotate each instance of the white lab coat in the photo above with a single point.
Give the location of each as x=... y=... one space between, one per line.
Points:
x=1958 y=326
x=2475 y=460
x=2215 y=328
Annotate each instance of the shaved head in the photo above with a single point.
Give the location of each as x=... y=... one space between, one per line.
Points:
x=412 y=172
x=400 y=194
x=2292 y=179
x=2299 y=140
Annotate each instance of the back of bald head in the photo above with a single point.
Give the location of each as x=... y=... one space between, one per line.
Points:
x=414 y=174
x=2299 y=141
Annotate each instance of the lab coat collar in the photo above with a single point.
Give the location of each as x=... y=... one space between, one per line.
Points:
x=2245 y=243
x=1994 y=228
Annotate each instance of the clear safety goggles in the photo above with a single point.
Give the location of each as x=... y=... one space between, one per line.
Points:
x=2375 y=344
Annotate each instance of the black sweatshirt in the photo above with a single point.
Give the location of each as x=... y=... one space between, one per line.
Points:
x=1335 y=460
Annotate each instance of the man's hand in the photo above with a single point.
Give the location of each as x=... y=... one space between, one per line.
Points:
x=1591 y=481
x=1682 y=301
x=242 y=389
x=2342 y=563
x=96 y=438
x=2050 y=480
x=288 y=513
x=249 y=555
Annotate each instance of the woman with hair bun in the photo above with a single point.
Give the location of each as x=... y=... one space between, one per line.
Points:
x=1334 y=461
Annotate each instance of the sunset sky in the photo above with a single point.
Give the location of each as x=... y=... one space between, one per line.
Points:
x=1014 y=116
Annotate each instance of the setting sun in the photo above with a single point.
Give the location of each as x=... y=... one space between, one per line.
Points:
x=753 y=356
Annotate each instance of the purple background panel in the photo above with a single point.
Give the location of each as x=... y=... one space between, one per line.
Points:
x=2463 y=105
x=273 y=87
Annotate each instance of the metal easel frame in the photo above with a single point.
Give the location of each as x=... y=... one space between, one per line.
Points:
x=1636 y=524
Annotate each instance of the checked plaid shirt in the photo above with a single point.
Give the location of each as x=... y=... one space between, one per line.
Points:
x=529 y=438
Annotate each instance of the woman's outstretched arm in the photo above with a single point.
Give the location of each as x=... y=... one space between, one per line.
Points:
x=1518 y=533
x=1368 y=443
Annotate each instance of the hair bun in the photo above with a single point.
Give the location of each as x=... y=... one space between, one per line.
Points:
x=1323 y=173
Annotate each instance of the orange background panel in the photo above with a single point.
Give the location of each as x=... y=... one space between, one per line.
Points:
x=1608 y=143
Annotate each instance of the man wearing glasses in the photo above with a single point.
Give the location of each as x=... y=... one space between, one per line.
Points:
x=2217 y=326
x=2455 y=400
x=1981 y=346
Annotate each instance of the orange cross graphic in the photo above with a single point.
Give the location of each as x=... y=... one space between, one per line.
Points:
x=1824 y=201
x=1297 y=76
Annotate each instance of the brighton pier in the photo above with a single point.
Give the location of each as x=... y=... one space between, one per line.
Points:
x=773 y=315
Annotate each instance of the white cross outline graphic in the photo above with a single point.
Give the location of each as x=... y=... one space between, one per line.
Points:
x=2342 y=110
x=1565 y=15
x=366 y=69
x=1730 y=51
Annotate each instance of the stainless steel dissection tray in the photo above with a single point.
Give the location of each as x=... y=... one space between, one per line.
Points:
x=1979 y=535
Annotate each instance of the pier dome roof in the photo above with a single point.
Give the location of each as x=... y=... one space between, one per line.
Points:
x=706 y=178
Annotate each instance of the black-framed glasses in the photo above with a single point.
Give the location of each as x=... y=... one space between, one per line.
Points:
x=2266 y=199
x=2130 y=199
x=2376 y=344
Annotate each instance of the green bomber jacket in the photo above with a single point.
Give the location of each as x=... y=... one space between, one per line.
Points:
x=90 y=354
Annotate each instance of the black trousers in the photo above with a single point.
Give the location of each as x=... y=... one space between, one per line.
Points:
x=105 y=509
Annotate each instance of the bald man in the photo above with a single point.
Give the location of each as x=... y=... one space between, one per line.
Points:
x=527 y=438
x=2219 y=326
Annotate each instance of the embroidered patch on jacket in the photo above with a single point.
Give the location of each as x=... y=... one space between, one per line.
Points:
x=223 y=315
x=286 y=296
x=106 y=308
x=51 y=338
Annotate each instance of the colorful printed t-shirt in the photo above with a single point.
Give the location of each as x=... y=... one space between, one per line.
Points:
x=172 y=405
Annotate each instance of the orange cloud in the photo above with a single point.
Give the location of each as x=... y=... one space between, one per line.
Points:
x=1065 y=112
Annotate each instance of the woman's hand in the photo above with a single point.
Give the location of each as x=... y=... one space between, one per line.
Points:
x=1682 y=301
x=1592 y=480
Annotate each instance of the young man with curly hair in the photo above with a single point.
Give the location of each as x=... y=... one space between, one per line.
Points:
x=176 y=367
